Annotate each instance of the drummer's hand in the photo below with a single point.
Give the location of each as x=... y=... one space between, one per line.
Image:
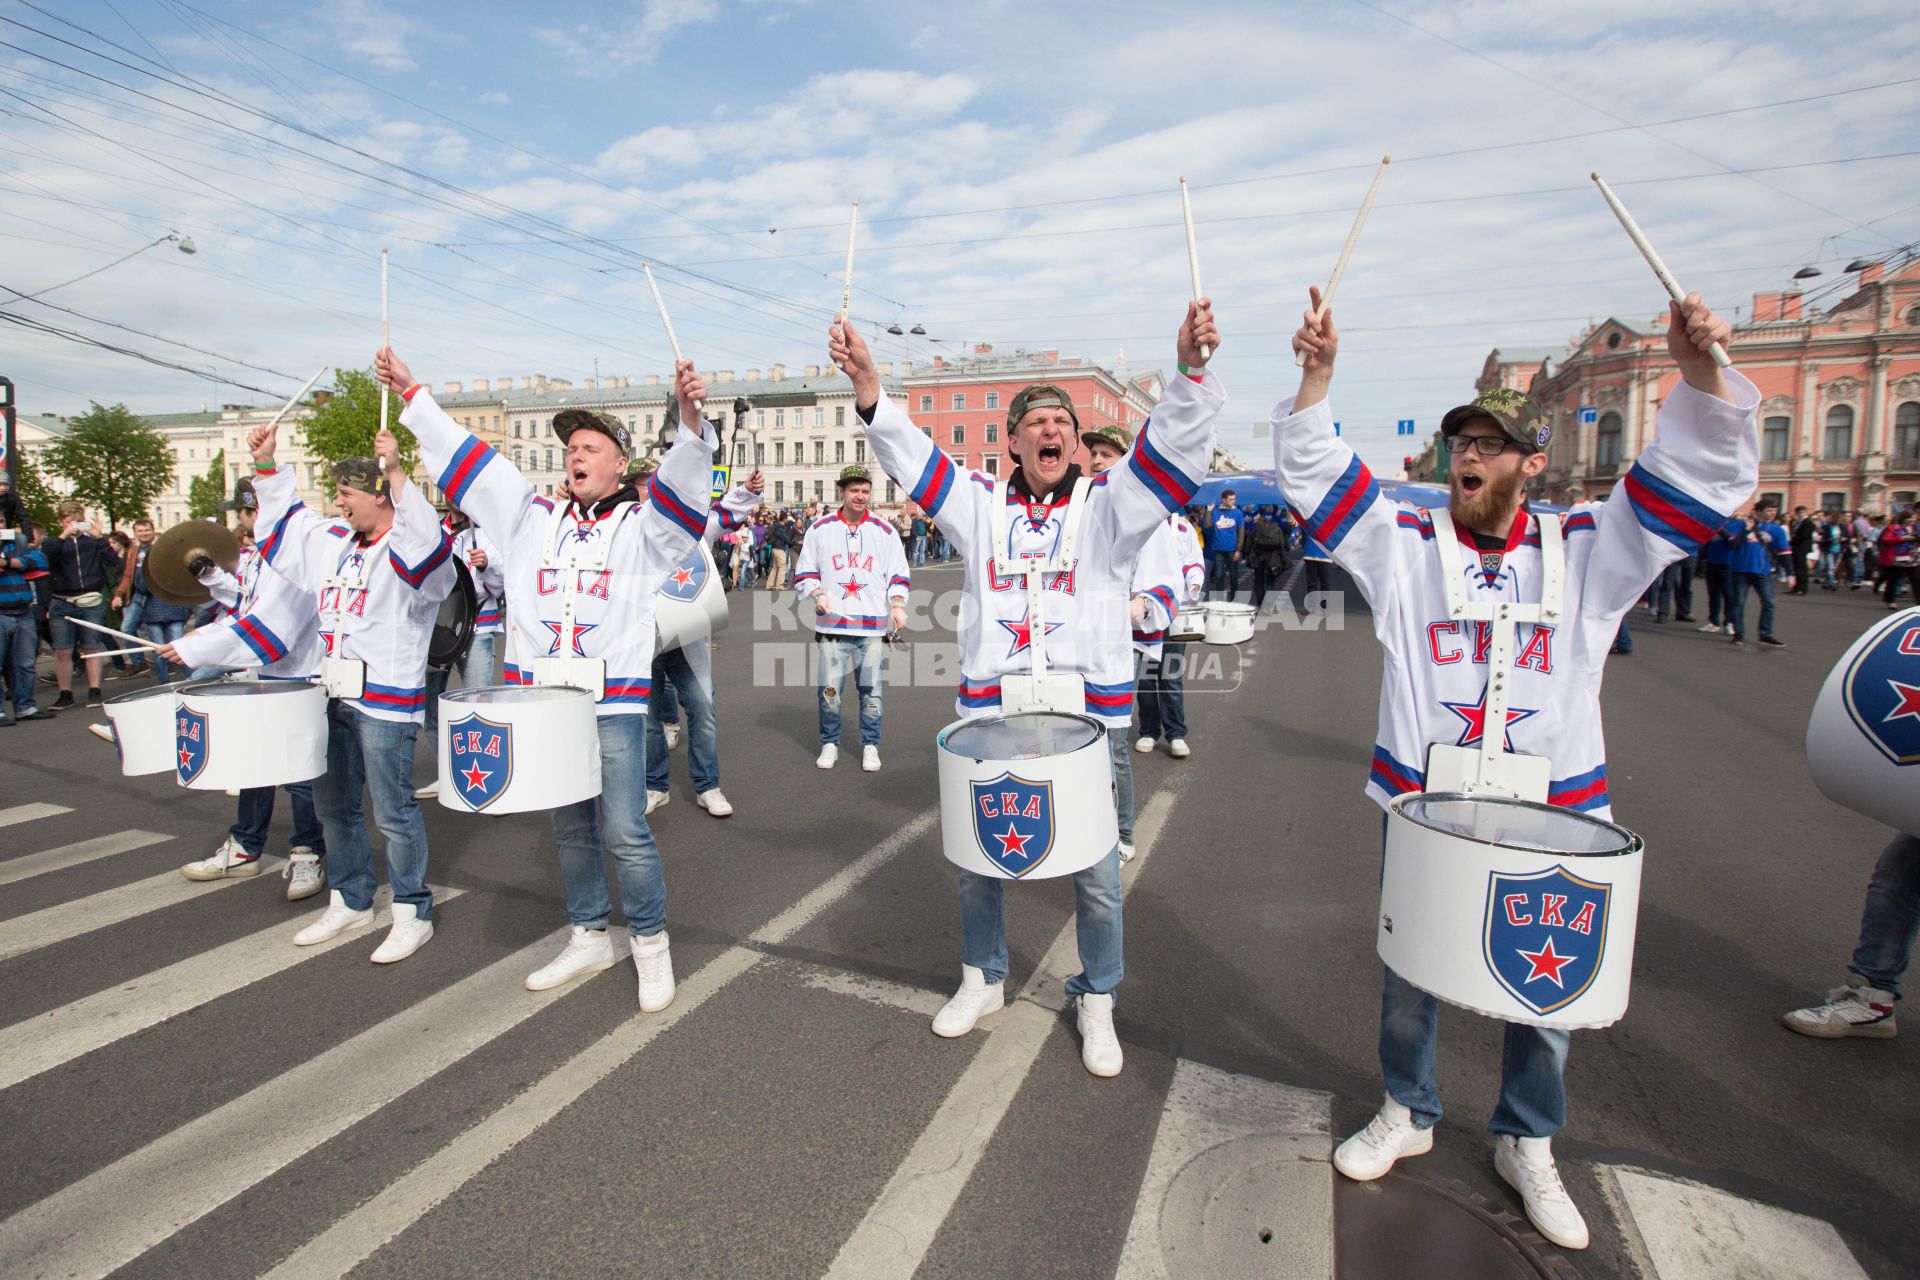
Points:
x=1317 y=337
x=1693 y=328
x=171 y=654
x=477 y=558
x=1197 y=333
x=897 y=618
x=819 y=602
x=848 y=350
x=691 y=391
x=1137 y=608
x=261 y=442
x=391 y=370
x=386 y=447
x=756 y=483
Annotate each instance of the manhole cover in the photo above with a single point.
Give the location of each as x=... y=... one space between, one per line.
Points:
x=1402 y=1225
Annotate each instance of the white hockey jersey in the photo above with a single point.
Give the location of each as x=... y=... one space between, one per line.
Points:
x=636 y=546
x=1170 y=573
x=377 y=599
x=490 y=595
x=1088 y=630
x=859 y=571
x=266 y=622
x=1702 y=464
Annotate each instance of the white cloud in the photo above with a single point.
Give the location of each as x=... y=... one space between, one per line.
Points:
x=493 y=97
x=636 y=38
x=925 y=37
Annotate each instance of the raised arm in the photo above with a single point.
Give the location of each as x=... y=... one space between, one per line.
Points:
x=474 y=476
x=290 y=534
x=680 y=492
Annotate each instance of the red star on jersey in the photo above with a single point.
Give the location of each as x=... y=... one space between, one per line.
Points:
x=853 y=586
x=327 y=638
x=1475 y=714
x=683 y=577
x=1909 y=704
x=1547 y=964
x=476 y=777
x=1022 y=633
x=1012 y=843
x=580 y=629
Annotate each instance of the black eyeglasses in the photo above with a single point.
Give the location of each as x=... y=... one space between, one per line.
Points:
x=1488 y=446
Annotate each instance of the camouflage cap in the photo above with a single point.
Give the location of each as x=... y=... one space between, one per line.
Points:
x=568 y=421
x=364 y=474
x=243 y=499
x=1113 y=433
x=1041 y=395
x=1523 y=420
x=850 y=474
x=641 y=468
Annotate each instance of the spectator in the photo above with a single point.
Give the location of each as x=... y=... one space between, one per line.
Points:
x=1864 y=1004
x=1719 y=553
x=1826 y=543
x=19 y=636
x=125 y=616
x=1762 y=544
x=1897 y=558
x=79 y=562
x=1266 y=555
x=1801 y=537
x=156 y=619
x=1673 y=592
x=920 y=527
x=780 y=539
x=1226 y=540
x=1861 y=546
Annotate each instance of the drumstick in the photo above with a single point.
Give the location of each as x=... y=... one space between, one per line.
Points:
x=114 y=653
x=1193 y=254
x=1346 y=250
x=385 y=334
x=846 y=288
x=672 y=341
x=1718 y=352
x=118 y=635
x=287 y=408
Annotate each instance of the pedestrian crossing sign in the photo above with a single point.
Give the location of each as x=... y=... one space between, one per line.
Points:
x=721 y=481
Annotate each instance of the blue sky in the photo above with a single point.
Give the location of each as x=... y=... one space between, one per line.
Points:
x=1016 y=164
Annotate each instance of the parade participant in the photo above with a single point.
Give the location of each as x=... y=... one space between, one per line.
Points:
x=378 y=575
x=1083 y=630
x=1154 y=592
x=1702 y=463
x=269 y=623
x=1161 y=694
x=477 y=668
x=854 y=569
x=79 y=564
x=1863 y=1005
x=581 y=576
x=683 y=674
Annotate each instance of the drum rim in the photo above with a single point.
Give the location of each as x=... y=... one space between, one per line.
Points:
x=940 y=739
x=472 y=693
x=221 y=686
x=1633 y=843
x=175 y=687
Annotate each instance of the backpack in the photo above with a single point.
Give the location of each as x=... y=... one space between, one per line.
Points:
x=1268 y=536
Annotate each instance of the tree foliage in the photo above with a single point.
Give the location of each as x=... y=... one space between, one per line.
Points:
x=36 y=494
x=206 y=493
x=344 y=427
x=113 y=459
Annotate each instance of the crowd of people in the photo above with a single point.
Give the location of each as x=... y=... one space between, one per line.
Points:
x=761 y=553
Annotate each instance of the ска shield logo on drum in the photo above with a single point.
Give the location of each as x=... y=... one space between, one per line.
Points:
x=1882 y=691
x=688 y=576
x=190 y=741
x=1545 y=935
x=1013 y=822
x=480 y=758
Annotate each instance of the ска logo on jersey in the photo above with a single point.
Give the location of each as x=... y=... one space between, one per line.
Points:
x=1882 y=690
x=190 y=743
x=1545 y=934
x=1013 y=822
x=479 y=759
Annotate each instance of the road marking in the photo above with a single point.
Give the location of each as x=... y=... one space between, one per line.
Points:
x=1233 y=1157
x=39 y=929
x=112 y=1216
x=61 y=1035
x=29 y=812
x=1695 y=1232
x=354 y=1238
x=893 y=1238
x=72 y=855
x=894 y=995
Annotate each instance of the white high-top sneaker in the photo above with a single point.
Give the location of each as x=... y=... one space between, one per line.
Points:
x=654 y=963
x=408 y=935
x=303 y=874
x=829 y=755
x=714 y=803
x=1527 y=1165
x=973 y=1001
x=1143 y=744
x=427 y=792
x=657 y=799
x=1180 y=748
x=1099 y=1046
x=587 y=951
x=870 y=759
x=1126 y=851
x=1852 y=1009
x=1391 y=1134
x=334 y=921
x=229 y=861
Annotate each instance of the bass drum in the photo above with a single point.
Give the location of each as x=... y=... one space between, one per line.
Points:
x=1026 y=795
x=691 y=605
x=453 y=629
x=1863 y=742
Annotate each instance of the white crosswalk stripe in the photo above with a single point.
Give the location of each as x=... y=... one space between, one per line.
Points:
x=1695 y=1232
x=29 y=812
x=43 y=928
x=73 y=855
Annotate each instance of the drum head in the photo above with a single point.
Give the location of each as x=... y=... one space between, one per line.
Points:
x=1516 y=824
x=453 y=629
x=1024 y=735
x=246 y=688
x=159 y=691
x=496 y=694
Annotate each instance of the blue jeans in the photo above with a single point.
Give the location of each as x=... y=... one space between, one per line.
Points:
x=1623 y=637
x=1223 y=571
x=1122 y=779
x=1891 y=919
x=919 y=548
x=19 y=646
x=130 y=623
x=364 y=753
x=256 y=813
x=1757 y=582
x=476 y=671
x=1828 y=560
x=1162 y=694
x=66 y=636
x=162 y=633
x=1674 y=596
x=860 y=658
x=621 y=821
x=1719 y=594
x=703 y=730
x=1097 y=915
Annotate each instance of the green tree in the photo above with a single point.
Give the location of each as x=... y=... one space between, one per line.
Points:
x=112 y=458
x=206 y=493
x=38 y=496
x=345 y=425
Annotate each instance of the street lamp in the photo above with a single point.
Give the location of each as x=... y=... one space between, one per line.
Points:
x=1859 y=264
x=1806 y=273
x=184 y=243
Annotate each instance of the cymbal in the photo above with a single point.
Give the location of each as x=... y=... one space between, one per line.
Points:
x=168 y=571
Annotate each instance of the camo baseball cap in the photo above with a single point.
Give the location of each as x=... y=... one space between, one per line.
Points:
x=364 y=474
x=853 y=473
x=1041 y=395
x=1521 y=419
x=568 y=421
x=1114 y=434
x=642 y=469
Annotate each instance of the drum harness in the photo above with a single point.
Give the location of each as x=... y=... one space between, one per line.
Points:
x=565 y=667
x=1496 y=769
x=346 y=677
x=1039 y=690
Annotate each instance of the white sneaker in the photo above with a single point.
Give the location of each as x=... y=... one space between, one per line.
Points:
x=1728 y=629
x=229 y=862
x=672 y=732
x=587 y=951
x=408 y=935
x=870 y=759
x=714 y=803
x=1143 y=744
x=1850 y=1010
x=303 y=875
x=829 y=755
x=427 y=792
x=654 y=963
x=1126 y=851
x=973 y=1001
x=1391 y=1134
x=334 y=921
x=104 y=732
x=1708 y=627
x=1527 y=1165
x=657 y=799
x=1180 y=748
x=1099 y=1047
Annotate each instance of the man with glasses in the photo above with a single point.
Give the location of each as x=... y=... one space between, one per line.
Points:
x=1438 y=687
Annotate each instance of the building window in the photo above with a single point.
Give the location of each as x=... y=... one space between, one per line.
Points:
x=1839 y=432
x=839 y=452
x=893 y=492
x=1903 y=498
x=959 y=460
x=549 y=465
x=632 y=423
x=760 y=419
x=1778 y=501
x=516 y=429
x=779 y=453
x=926 y=402
x=927 y=432
x=860 y=450
x=1606 y=441
x=1833 y=503
x=959 y=434
x=839 y=415
x=779 y=419
x=819 y=491
x=1775 y=435
x=759 y=455
x=1613 y=340
x=820 y=417
x=649 y=422
x=993 y=433
x=819 y=453
x=1906 y=432
x=740 y=454
x=779 y=490
x=959 y=399
x=993 y=399
x=990 y=465
x=518 y=459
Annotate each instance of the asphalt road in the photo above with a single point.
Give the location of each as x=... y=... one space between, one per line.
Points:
x=432 y=1118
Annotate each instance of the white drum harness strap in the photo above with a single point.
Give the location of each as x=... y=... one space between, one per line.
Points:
x=565 y=666
x=346 y=677
x=1039 y=690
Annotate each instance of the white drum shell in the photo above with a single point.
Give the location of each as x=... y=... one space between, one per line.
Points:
x=680 y=618
x=543 y=739
x=1189 y=624
x=1081 y=822
x=1229 y=623
x=1863 y=745
x=1435 y=898
x=143 y=728
x=258 y=733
